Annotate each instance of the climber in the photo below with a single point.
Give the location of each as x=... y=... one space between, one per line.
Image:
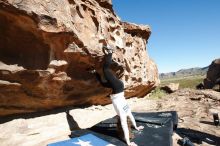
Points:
x=120 y=105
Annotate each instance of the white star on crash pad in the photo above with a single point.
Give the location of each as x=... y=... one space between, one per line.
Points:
x=83 y=143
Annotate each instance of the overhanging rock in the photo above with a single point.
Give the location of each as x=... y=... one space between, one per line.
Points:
x=47 y=48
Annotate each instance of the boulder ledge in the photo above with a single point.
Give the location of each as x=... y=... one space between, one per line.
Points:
x=48 y=47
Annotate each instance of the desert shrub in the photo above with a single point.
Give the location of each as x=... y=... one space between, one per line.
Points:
x=157 y=93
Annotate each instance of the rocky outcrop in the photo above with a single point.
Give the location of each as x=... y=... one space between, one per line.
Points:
x=171 y=87
x=48 y=47
x=213 y=75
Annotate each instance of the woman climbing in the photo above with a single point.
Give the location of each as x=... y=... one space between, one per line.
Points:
x=119 y=102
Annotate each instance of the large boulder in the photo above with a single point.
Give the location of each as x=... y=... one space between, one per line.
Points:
x=213 y=75
x=48 y=47
x=171 y=87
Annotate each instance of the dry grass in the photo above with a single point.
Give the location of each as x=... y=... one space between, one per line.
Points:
x=185 y=82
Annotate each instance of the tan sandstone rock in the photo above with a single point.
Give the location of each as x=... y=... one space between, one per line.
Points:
x=213 y=75
x=48 y=47
x=171 y=87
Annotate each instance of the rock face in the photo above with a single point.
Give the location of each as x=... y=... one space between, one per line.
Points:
x=213 y=75
x=48 y=47
x=171 y=87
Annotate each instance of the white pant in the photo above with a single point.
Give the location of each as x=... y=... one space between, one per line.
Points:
x=123 y=111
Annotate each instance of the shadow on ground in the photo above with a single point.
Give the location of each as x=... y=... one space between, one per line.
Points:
x=71 y=122
x=198 y=137
x=207 y=122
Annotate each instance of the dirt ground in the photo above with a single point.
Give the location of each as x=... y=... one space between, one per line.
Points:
x=194 y=108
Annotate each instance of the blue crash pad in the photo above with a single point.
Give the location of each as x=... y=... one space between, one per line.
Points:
x=85 y=140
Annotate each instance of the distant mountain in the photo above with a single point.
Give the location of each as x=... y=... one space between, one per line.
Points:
x=184 y=73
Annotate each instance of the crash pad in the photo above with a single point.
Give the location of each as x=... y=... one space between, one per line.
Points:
x=158 y=130
x=88 y=139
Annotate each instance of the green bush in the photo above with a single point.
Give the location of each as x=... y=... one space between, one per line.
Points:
x=157 y=93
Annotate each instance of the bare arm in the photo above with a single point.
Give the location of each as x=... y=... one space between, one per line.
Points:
x=134 y=122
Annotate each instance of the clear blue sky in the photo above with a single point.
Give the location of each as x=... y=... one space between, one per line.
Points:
x=185 y=33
